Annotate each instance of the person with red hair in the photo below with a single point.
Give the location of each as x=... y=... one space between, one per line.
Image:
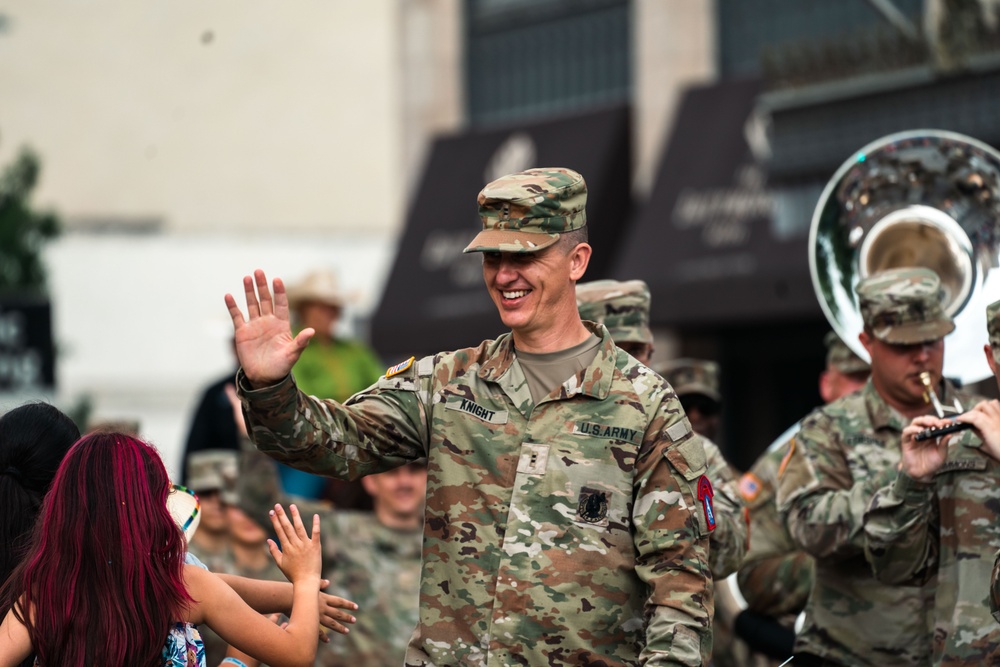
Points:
x=104 y=581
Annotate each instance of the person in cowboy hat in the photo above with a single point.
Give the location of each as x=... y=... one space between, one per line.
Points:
x=331 y=367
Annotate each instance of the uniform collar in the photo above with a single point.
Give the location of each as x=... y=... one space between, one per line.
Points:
x=595 y=380
x=883 y=415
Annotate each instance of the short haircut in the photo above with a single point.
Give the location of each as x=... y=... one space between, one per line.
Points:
x=573 y=238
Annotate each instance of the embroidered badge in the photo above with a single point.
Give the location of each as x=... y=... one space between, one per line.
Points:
x=399 y=368
x=607 y=431
x=705 y=494
x=592 y=506
x=749 y=486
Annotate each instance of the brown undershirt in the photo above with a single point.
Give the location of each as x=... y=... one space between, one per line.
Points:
x=545 y=372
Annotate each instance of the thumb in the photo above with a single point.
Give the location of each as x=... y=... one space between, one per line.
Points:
x=303 y=338
x=275 y=551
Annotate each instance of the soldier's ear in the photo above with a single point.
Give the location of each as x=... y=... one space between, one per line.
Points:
x=867 y=341
x=579 y=258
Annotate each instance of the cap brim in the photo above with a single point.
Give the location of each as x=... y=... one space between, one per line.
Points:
x=911 y=334
x=508 y=240
x=697 y=388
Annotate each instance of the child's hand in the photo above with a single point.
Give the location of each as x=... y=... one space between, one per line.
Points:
x=332 y=614
x=300 y=556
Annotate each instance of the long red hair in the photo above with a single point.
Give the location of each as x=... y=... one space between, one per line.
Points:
x=104 y=578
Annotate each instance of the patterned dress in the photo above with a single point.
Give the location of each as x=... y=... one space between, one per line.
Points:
x=184 y=647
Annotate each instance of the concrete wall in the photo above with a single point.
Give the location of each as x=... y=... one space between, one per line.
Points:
x=674 y=47
x=229 y=115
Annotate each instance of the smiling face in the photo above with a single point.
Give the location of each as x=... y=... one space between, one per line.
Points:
x=535 y=292
x=398 y=494
x=896 y=370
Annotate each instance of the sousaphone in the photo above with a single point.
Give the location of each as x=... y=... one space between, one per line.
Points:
x=921 y=198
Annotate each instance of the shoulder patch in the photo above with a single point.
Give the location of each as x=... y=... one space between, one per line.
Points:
x=399 y=368
x=705 y=494
x=749 y=486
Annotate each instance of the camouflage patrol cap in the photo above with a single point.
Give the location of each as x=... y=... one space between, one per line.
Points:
x=621 y=306
x=841 y=357
x=214 y=470
x=993 y=328
x=526 y=211
x=693 y=376
x=903 y=306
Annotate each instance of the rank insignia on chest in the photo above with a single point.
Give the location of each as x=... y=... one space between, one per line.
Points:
x=398 y=368
x=592 y=506
x=705 y=493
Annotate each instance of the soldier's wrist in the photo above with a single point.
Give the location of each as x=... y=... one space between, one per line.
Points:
x=913 y=490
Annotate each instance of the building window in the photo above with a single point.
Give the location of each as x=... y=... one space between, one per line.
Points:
x=530 y=58
x=750 y=29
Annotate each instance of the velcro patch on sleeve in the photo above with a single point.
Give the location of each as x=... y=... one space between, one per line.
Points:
x=399 y=368
x=678 y=431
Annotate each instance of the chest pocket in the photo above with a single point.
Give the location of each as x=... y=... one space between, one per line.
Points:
x=868 y=456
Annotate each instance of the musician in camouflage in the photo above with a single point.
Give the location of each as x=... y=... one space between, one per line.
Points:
x=623 y=308
x=776 y=576
x=842 y=455
x=566 y=519
x=940 y=518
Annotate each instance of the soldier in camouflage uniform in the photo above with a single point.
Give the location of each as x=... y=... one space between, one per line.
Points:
x=842 y=455
x=623 y=308
x=940 y=518
x=776 y=576
x=207 y=472
x=696 y=382
x=372 y=558
x=567 y=518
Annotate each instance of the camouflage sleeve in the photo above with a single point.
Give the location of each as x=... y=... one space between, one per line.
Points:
x=728 y=542
x=775 y=577
x=901 y=536
x=378 y=429
x=822 y=504
x=995 y=588
x=671 y=542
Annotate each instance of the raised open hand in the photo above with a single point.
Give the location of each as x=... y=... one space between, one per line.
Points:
x=264 y=342
x=300 y=556
x=921 y=459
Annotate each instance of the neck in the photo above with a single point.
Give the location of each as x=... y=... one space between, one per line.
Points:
x=211 y=542
x=543 y=342
x=906 y=409
x=251 y=557
x=396 y=521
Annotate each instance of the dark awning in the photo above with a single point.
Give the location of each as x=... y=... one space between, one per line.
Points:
x=434 y=298
x=705 y=241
